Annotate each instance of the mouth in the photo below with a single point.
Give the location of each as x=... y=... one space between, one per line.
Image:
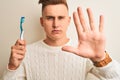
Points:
x=56 y=31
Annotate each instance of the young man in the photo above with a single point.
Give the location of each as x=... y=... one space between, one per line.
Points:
x=57 y=57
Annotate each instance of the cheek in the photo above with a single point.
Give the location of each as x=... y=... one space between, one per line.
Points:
x=47 y=27
x=47 y=24
x=47 y=30
x=65 y=24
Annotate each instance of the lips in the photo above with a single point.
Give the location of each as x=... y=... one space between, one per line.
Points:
x=56 y=31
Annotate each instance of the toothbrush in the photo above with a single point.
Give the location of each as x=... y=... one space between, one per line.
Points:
x=21 y=28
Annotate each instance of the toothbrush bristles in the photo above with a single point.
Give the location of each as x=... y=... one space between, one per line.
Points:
x=22 y=19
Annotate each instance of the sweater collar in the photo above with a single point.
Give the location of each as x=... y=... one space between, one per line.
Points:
x=55 y=47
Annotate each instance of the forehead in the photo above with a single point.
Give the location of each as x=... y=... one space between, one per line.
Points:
x=55 y=10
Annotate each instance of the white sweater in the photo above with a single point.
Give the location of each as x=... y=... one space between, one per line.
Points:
x=43 y=62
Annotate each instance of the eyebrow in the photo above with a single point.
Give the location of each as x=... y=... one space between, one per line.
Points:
x=53 y=16
x=49 y=16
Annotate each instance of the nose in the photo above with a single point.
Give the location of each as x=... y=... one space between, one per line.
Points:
x=55 y=23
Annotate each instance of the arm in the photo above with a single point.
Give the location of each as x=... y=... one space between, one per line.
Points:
x=15 y=69
x=108 y=72
x=91 y=43
x=18 y=74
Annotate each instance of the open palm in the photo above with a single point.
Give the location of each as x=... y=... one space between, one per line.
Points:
x=91 y=40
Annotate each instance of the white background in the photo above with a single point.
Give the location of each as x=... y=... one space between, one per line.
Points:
x=12 y=10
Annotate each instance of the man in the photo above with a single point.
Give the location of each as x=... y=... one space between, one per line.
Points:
x=52 y=58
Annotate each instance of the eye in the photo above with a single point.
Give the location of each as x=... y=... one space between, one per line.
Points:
x=60 y=17
x=50 y=18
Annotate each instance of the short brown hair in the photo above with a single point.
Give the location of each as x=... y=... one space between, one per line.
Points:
x=52 y=2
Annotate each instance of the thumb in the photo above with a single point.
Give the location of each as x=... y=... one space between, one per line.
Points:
x=70 y=49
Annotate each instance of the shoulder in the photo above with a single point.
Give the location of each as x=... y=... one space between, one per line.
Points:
x=34 y=45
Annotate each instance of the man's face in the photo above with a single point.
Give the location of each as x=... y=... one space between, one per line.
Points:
x=55 y=21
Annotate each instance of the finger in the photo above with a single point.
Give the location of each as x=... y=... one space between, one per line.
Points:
x=77 y=24
x=18 y=47
x=82 y=19
x=18 y=57
x=91 y=19
x=101 y=25
x=19 y=52
x=20 y=42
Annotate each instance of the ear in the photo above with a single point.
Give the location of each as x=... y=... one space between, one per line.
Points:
x=41 y=21
x=69 y=19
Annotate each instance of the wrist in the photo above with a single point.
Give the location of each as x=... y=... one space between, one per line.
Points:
x=98 y=59
x=12 y=67
x=106 y=60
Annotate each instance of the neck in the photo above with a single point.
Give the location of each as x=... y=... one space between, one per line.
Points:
x=58 y=42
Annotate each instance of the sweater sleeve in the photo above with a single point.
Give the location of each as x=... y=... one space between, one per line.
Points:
x=18 y=74
x=108 y=72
